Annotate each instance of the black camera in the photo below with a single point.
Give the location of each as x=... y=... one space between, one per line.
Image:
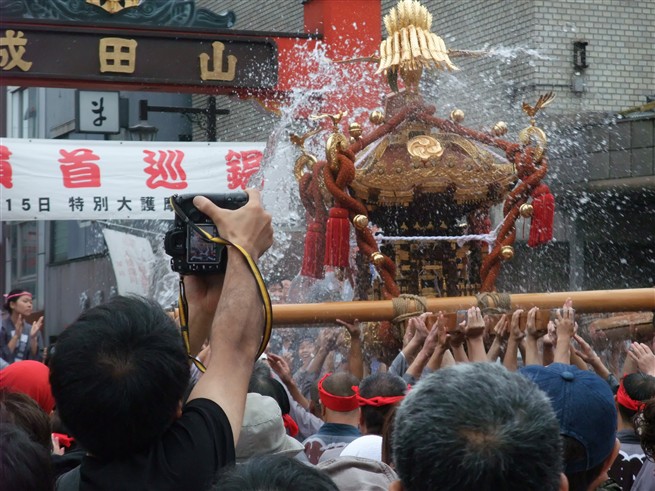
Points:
x=192 y=253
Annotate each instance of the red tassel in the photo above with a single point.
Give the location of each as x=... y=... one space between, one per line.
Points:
x=543 y=211
x=290 y=424
x=337 y=238
x=312 y=265
x=480 y=224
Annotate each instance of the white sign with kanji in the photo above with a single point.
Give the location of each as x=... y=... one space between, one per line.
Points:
x=97 y=112
x=87 y=180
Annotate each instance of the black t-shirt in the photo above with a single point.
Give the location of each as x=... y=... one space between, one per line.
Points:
x=187 y=456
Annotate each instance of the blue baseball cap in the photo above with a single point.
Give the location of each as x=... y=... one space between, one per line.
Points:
x=584 y=405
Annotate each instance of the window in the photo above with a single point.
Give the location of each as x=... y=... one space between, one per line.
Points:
x=22 y=109
x=75 y=240
x=24 y=242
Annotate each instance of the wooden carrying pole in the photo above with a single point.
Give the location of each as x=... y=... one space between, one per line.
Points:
x=638 y=299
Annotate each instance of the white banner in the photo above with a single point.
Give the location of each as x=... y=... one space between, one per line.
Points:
x=133 y=261
x=100 y=179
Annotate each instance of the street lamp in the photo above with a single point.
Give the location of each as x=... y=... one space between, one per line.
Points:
x=142 y=131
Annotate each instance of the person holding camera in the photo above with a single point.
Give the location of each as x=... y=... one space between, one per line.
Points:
x=120 y=372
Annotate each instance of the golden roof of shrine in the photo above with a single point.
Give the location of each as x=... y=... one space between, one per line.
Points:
x=416 y=158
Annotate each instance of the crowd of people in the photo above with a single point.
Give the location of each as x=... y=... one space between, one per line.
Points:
x=493 y=404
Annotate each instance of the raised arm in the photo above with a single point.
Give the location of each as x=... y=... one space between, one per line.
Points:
x=549 y=343
x=441 y=349
x=237 y=325
x=456 y=340
x=281 y=368
x=499 y=343
x=35 y=339
x=327 y=342
x=565 y=326
x=421 y=360
x=355 y=356
x=474 y=331
x=588 y=355
x=531 y=349
x=515 y=336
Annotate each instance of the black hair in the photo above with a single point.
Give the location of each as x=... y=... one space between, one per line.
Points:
x=340 y=384
x=273 y=473
x=263 y=383
x=645 y=425
x=24 y=412
x=24 y=463
x=574 y=451
x=640 y=387
x=379 y=384
x=118 y=375
x=477 y=426
x=15 y=291
x=387 y=436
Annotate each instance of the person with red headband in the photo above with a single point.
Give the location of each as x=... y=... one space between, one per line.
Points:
x=20 y=340
x=377 y=395
x=645 y=423
x=634 y=390
x=340 y=411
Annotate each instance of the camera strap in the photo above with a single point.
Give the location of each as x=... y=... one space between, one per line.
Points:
x=263 y=292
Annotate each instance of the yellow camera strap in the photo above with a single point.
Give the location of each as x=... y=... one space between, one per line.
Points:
x=263 y=292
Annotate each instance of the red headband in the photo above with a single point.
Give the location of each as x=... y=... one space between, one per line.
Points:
x=376 y=401
x=626 y=401
x=336 y=403
x=16 y=295
x=63 y=440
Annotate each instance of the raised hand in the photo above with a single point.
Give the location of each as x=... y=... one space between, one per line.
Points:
x=531 y=324
x=409 y=333
x=436 y=336
x=248 y=226
x=502 y=328
x=643 y=355
x=475 y=324
x=515 y=332
x=550 y=338
x=354 y=329
x=420 y=328
x=36 y=327
x=564 y=322
x=20 y=324
x=586 y=352
x=332 y=339
x=280 y=366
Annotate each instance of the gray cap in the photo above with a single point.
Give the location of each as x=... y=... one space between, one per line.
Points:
x=262 y=430
x=358 y=474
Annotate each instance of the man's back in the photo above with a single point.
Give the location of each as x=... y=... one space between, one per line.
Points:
x=187 y=456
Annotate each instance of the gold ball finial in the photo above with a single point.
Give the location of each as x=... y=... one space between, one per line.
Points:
x=500 y=128
x=377 y=258
x=376 y=117
x=526 y=210
x=457 y=115
x=355 y=130
x=360 y=222
x=507 y=252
